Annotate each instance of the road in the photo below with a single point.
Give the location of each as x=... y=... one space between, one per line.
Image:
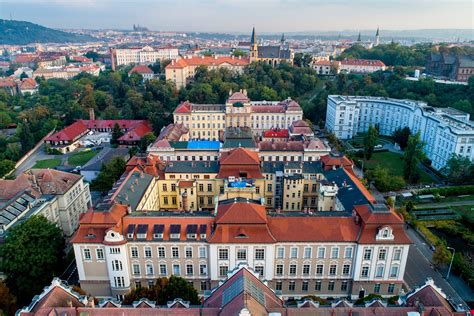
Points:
x=419 y=267
x=39 y=154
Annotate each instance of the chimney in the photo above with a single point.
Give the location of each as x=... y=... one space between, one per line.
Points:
x=69 y=303
x=132 y=188
x=129 y=209
x=245 y=92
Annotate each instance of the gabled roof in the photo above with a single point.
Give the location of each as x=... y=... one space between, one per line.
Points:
x=207 y=61
x=141 y=69
x=183 y=107
x=240 y=156
x=238 y=96
x=243 y=290
x=241 y=213
x=70 y=132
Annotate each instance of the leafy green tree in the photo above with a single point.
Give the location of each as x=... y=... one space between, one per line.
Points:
x=32 y=255
x=116 y=134
x=459 y=169
x=13 y=151
x=26 y=137
x=441 y=255
x=411 y=157
x=400 y=135
x=23 y=75
x=385 y=182
x=179 y=287
x=239 y=53
x=146 y=140
x=370 y=140
x=6 y=166
x=109 y=174
x=165 y=290
x=5 y=119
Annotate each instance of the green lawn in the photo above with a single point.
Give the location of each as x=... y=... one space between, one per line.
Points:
x=48 y=163
x=394 y=163
x=81 y=158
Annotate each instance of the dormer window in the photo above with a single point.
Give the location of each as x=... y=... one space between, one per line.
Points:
x=158 y=230
x=191 y=231
x=175 y=231
x=385 y=233
x=202 y=231
x=130 y=231
x=142 y=231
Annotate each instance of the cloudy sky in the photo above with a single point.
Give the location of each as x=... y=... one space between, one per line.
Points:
x=240 y=15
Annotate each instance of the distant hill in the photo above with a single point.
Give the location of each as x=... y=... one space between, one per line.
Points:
x=22 y=33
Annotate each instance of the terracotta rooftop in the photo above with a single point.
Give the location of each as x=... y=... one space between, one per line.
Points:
x=362 y=62
x=207 y=61
x=141 y=69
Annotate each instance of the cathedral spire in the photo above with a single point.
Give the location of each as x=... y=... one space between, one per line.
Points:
x=253 y=38
x=377 y=34
x=358 y=38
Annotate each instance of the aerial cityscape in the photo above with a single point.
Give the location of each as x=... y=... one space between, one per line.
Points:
x=203 y=158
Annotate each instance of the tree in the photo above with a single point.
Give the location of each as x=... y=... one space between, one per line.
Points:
x=400 y=135
x=116 y=134
x=23 y=75
x=5 y=119
x=385 y=182
x=32 y=255
x=165 y=290
x=238 y=53
x=411 y=157
x=109 y=174
x=370 y=140
x=441 y=254
x=7 y=300
x=146 y=140
x=459 y=169
x=27 y=139
x=6 y=166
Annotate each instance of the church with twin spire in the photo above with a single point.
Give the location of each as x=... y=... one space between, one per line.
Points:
x=272 y=55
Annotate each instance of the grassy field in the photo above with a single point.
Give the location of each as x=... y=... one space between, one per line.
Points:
x=394 y=163
x=48 y=163
x=81 y=158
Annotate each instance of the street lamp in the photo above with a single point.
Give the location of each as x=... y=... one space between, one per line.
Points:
x=451 y=264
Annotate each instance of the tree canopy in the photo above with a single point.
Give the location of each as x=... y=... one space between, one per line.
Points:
x=109 y=174
x=32 y=255
x=411 y=157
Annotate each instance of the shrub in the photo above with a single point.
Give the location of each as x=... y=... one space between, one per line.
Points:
x=368 y=298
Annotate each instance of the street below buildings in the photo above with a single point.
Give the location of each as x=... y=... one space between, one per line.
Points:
x=419 y=267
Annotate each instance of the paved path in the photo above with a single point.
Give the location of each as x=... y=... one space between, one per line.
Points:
x=419 y=267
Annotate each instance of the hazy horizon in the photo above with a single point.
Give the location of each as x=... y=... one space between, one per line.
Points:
x=238 y=16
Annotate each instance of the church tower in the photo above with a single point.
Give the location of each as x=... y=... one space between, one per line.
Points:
x=253 y=47
x=377 y=38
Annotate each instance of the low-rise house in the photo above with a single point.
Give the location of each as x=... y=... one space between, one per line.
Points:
x=143 y=70
x=360 y=66
x=67 y=139
x=28 y=85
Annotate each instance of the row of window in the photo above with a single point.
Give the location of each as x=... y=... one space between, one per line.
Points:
x=331 y=286
x=382 y=254
x=306 y=270
x=163 y=269
x=308 y=252
x=380 y=271
x=161 y=252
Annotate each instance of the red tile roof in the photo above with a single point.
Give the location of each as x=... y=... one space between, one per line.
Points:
x=183 y=107
x=69 y=133
x=238 y=161
x=136 y=133
x=141 y=69
x=241 y=213
x=268 y=108
x=239 y=156
x=363 y=62
x=207 y=61
x=313 y=228
x=28 y=84
x=322 y=63
x=238 y=96
x=281 y=146
x=276 y=133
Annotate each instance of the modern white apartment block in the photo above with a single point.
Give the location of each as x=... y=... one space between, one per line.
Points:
x=445 y=131
x=141 y=55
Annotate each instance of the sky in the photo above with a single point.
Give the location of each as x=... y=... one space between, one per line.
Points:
x=240 y=15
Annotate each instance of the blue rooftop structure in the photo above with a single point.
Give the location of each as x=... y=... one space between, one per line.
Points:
x=204 y=144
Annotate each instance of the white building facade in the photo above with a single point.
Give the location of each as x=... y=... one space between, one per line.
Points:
x=445 y=131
